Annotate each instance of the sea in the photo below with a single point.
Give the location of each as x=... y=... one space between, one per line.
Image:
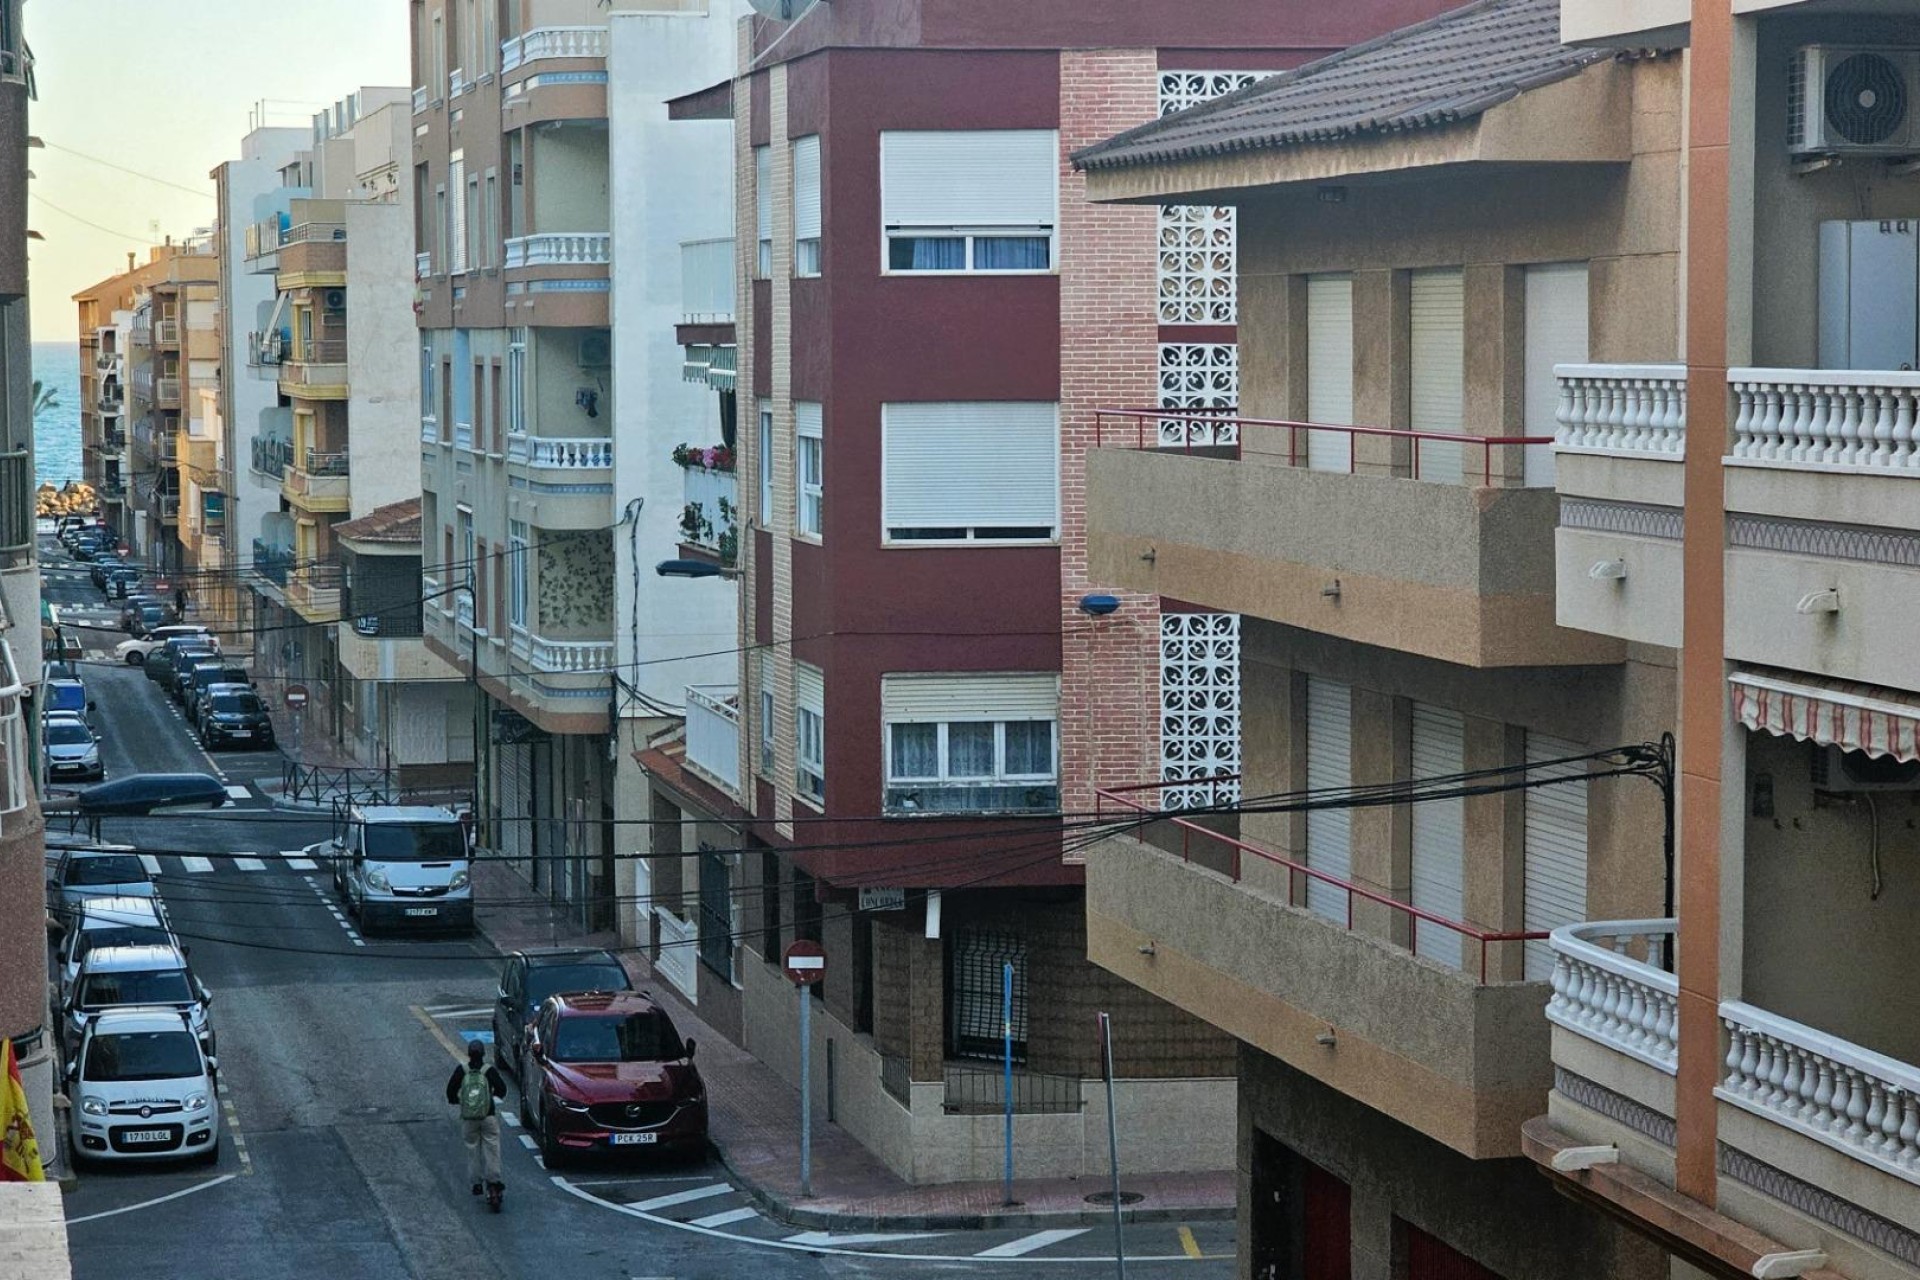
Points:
x=56 y=431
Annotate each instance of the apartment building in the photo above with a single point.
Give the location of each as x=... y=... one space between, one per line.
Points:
x=106 y=321
x=927 y=315
x=1752 y=1057
x=551 y=398
x=173 y=374
x=23 y=972
x=1431 y=224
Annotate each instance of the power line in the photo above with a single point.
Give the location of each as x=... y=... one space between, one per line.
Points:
x=202 y=192
x=88 y=222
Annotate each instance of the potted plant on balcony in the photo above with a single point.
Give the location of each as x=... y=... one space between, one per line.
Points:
x=716 y=457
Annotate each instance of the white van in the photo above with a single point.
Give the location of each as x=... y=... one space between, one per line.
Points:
x=122 y=977
x=112 y=922
x=402 y=866
x=142 y=1088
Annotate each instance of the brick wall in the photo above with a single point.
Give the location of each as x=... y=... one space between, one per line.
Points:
x=1109 y=681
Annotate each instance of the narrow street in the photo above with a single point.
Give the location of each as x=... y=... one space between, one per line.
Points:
x=340 y=1157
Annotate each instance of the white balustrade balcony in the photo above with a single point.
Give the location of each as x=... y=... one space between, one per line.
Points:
x=552 y=42
x=713 y=733
x=706 y=281
x=1818 y=418
x=457 y=82
x=563 y=657
x=463 y=609
x=429 y=430
x=422 y=265
x=166 y=332
x=560 y=249
x=1637 y=409
x=463 y=435
x=585 y=453
x=419 y=99
x=16 y=774
x=1602 y=992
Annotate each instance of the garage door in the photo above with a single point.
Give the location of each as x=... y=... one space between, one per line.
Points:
x=516 y=801
x=1556 y=334
x=1329 y=765
x=1439 y=355
x=1556 y=858
x=1439 y=832
x=1329 y=369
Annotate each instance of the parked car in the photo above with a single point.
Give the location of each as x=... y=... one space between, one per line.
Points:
x=529 y=977
x=142 y=1087
x=120 y=581
x=222 y=671
x=151 y=614
x=134 y=652
x=233 y=715
x=82 y=874
x=111 y=922
x=187 y=673
x=130 y=611
x=73 y=750
x=607 y=1071
x=164 y=663
x=115 y=977
x=405 y=866
x=69 y=696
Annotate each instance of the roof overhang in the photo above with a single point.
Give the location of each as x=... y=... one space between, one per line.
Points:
x=380 y=547
x=715 y=102
x=1584 y=119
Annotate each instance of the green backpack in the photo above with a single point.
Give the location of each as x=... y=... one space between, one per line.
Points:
x=476 y=1098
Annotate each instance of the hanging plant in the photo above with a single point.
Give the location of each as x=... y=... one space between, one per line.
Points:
x=715 y=457
x=694 y=525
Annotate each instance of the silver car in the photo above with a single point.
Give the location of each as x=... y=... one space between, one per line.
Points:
x=94 y=873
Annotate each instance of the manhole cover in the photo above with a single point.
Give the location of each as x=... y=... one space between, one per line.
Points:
x=1107 y=1197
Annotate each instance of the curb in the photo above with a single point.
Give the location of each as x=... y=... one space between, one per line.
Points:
x=785 y=1210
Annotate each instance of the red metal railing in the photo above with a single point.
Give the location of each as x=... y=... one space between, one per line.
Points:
x=1190 y=830
x=1148 y=425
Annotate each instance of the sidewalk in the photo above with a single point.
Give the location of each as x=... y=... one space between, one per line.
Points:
x=754 y=1121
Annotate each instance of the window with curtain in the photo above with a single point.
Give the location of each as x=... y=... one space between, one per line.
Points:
x=810 y=733
x=763 y=208
x=969 y=200
x=980 y=743
x=809 y=450
x=806 y=206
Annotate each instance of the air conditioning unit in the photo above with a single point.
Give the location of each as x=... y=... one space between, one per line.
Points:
x=596 y=350
x=1836 y=769
x=335 y=299
x=1849 y=100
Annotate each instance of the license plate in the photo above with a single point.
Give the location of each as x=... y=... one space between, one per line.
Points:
x=634 y=1139
x=240 y=733
x=144 y=1135
x=423 y=911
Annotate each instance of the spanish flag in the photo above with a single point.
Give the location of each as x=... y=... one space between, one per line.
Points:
x=19 y=1151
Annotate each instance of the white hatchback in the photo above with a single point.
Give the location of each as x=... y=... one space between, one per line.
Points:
x=142 y=1089
x=134 y=652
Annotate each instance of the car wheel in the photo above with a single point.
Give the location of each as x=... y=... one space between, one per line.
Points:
x=551 y=1152
x=136 y=658
x=526 y=1111
x=211 y=1156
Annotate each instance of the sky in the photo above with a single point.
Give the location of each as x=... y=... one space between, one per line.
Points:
x=167 y=88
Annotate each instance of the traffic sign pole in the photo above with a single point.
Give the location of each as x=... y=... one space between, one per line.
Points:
x=805 y=962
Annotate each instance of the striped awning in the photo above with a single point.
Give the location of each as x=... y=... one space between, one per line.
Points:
x=1841 y=713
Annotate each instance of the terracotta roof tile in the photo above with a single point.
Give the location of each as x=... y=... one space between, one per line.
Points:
x=395 y=522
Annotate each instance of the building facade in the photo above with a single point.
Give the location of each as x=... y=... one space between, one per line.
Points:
x=173 y=363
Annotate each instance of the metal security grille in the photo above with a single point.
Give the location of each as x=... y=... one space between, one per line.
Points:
x=716 y=914
x=974 y=995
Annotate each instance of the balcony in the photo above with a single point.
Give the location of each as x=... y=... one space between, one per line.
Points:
x=320 y=485
x=422 y=265
x=1808 y=1122
x=463 y=435
x=1445 y=1050
x=561 y=657
x=16 y=771
x=272 y=562
x=312 y=255
x=167 y=505
x=543 y=43
x=713 y=734
x=166 y=333
x=419 y=99
x=272 y=456
x=560 y=249
x=706 y=282
x=314 y=590
x=315 y=370
x=709 y=520
x=574 y=475
x=554 y=73
x=1422 y=542
x=111 y=398
x=166 y=392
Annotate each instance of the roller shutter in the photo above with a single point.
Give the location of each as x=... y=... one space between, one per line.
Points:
x=1439 y=832
x=1556 y=334
x=933 y=699
x=972 y=467
x=1329 y=369
x=1329 y=765
x=1556 y=856
x=1439 y=356
x=970 y=178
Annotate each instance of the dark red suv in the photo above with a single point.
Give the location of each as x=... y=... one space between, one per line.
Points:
x=606 y=1071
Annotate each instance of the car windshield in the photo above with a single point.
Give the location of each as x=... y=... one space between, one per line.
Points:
x=152 y=612
x=123 y=935
x=136 y=986
x=235 y=704
x=115 y=869
x=544 y=982
x=143 y=1055
x=416 y=842
x=67 y=733
x=632 y=1037
x=66 y=697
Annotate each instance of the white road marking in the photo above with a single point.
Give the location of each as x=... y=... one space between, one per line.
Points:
x=441 y=1011
x=816 y=1239
x=151 y=863
x=1027 y=1244
x=195 y=865
x=240 y=793
x=511 y=1120
x=526 y=1140
x=297 y=860
x=683 y=1197
x=726 y=1217
x=246 y=863
x=147 y=1204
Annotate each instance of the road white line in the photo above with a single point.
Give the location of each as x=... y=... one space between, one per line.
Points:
x=526 y=1140
x=151 y=863
x=726 y=1217
x=511 y=1120
x=249 y=864
x=683 y=1197
x=1027 y=1244
x=147 y=1204
x=441 y=1011
x=240 y=793
x=195 y=865
x=297 y=860
x=817 y=1239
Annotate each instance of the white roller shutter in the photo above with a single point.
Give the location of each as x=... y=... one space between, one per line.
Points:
x=516 y=800
x=967 y=178
x=806 y=188
x=1556 y=334
x=457 y=209
x=809 y=688
x=917 y=698
x=1439 y=353
x=970 y=465
x=1439 y=832
x=1556 y=857
x=763 y=192
x=1329 y=369
x=1329 y=765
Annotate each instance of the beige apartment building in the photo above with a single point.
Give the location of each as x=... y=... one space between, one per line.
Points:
x=173 y=356
x=106 y=321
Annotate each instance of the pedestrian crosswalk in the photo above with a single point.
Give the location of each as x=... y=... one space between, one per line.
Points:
x=202 y=864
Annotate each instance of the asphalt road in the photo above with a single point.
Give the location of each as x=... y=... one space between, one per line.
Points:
x=339 y=1156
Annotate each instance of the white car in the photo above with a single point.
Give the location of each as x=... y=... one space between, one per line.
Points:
x=142 y=1089
x=111 y=922
x=134 y=652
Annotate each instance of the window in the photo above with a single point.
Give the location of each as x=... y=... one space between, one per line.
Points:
x=809 y=451
x=810 y=733
x=764 y=463
x=429 y=401
x=474 y=250
x=970 y=471
x=517 y=385
x=980 y=1024
x=766 y=715
x=469 y=553
x=716 y=913
x=763 y=208
x=971 y=743
x=442 y=227
x=517 y=572
x=969 y=200
x=454 y=199
x=490 y=219
x=806 y=206
x=496 y=407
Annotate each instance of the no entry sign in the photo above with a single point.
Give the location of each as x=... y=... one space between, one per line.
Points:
x=805 y=962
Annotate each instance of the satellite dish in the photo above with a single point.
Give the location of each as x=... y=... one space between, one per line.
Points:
x=782 y=10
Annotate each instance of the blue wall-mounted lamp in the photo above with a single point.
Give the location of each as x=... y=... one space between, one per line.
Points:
x=1099 y=606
